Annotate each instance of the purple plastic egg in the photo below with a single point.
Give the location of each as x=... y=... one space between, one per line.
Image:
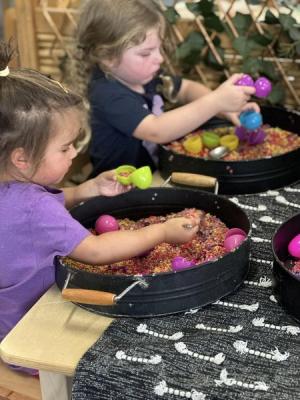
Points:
x=241 y=132
x=256 y=137
x=294 y=247
x=179 y=263
x=245 y=80
x=235 y=231
x=233 y=241
x=263 y=87
x=106 y=223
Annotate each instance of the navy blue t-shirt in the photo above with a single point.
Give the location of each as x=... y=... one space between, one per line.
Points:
x=116 y=111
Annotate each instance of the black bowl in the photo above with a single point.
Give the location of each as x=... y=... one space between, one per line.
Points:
x=286 y=284
x=170 y=292
x=245 y=176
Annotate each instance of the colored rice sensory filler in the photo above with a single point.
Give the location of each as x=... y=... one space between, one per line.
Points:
x=207 y=245
x=276 y=142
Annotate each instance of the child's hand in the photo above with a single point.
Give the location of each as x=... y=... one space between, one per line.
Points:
x=106 y=184
x=233 y=117
x=180 y=230
x=230 y=97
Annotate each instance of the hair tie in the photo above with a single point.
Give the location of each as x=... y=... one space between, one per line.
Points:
x=60 y=85
x=4 y=72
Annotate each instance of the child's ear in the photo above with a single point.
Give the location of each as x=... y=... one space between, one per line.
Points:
x=19 y=159
x=109 y=63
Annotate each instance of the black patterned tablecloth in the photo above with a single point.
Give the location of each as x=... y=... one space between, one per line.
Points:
x=244 y=346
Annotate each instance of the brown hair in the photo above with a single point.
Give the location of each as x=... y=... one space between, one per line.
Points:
x=28 y=100
x=106 y=28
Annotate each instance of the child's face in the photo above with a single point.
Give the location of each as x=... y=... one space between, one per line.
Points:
x=60 y=150
x=140 y=63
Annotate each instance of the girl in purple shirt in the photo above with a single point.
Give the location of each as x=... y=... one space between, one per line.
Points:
x=39 y=122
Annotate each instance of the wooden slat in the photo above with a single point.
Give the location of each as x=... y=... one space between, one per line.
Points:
x=26 y=33
x=4 y=393
x=12 y=382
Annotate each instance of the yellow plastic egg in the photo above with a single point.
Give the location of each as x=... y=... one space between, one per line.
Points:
x=193 y=144
x=230 y=141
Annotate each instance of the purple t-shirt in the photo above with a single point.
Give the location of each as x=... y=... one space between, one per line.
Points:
x=35 y=227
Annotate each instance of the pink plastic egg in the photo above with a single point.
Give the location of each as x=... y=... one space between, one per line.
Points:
x=106 y=223
x=179 y=263
x=294 y=247
x=263 y=87
x=235 y=231
x=233 y=241
x=245 y=80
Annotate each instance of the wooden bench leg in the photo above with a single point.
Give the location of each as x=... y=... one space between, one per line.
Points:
x=55 y=386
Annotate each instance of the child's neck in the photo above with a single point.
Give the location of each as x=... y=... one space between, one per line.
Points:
x=135 y=88
x=11 y=177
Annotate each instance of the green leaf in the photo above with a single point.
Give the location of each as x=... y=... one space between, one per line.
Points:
x=298 y=49
x=277 y=96
x=203 y=7
x=228 y=31
x=242 y=22
x=213 y=22
x=195 y=40
x=262 y=40
x=285 y=50
x=189 y=51
x=294 y=33
x=251 y=66
x=171 y=15
x=193 y=43
x=217 y=41
x=190 y=60
x=267 y=68
x=287 y=21
x=270 y=18
x=244 y=45
x=182 y=51
x=212 y=61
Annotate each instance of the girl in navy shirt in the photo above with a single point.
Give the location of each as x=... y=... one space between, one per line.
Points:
x=119 y=69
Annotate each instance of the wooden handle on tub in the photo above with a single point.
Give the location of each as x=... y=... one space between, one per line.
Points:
x=185 y=178
x=85 y=296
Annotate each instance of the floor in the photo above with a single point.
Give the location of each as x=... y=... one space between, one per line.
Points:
x=16 y=386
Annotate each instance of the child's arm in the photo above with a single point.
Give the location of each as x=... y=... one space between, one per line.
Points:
x=190 y=91
x=121 y=245
x=104 y=184
x=178 y=122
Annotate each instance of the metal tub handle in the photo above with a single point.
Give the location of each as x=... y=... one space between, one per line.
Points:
x=97 y=297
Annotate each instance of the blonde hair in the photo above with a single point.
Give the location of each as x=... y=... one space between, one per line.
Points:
x=106 y=28
x=28 y=101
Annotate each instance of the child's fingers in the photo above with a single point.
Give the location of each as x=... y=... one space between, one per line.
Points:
x=235 y=120
x=234 y=78
x=248 y=90
x=252 y=106
x=191 y=223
